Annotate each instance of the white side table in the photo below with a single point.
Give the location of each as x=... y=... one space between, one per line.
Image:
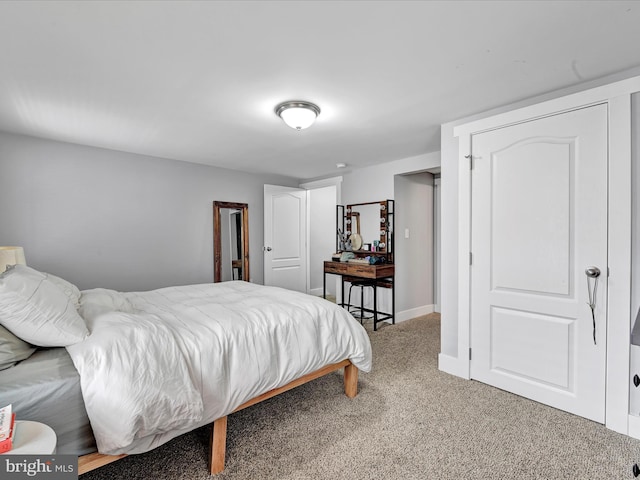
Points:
x=33 y=438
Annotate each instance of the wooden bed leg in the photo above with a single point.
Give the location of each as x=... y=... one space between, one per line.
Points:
x=351 y=380
x=218 y=445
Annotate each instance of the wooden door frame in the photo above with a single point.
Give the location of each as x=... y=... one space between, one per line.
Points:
x=217 y=244
x=617 y=96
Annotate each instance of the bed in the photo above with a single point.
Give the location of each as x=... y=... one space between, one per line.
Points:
x=140 y=368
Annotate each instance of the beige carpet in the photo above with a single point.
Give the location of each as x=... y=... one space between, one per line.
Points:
x=409 y=421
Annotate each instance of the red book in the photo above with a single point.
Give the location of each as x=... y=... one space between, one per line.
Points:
x=7 y=443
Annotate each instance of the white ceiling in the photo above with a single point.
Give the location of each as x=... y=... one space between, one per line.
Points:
x=198 y=81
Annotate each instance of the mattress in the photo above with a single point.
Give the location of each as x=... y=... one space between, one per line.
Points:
x=46 y=388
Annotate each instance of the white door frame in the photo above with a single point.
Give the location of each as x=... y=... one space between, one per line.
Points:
x=325 y=182
x=618 y=98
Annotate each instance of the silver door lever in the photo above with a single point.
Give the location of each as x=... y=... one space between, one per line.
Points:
x=592 y=272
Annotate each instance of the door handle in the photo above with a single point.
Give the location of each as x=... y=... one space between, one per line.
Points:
x=592 y=273
x=267 y=249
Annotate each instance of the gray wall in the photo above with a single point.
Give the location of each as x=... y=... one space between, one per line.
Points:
x=414 y=255
x=102 y=218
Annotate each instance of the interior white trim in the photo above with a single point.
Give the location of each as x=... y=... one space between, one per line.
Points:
x=557 y=105
x=325 y=182
x=405 y=315
x=634 y=426
x=619 y=304
x=451 y=365
x=437 y=239
x=617 y=96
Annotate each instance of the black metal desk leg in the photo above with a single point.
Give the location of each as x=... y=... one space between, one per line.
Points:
x=375 y=305
x=393 y=299
x=324 y=285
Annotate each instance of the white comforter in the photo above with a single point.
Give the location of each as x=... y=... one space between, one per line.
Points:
x=160 y=363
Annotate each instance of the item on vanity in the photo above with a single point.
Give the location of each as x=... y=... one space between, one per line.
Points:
x=356 y=241
x=346 y=256
x=363 y=261
x=374 y=260
x=342 y=240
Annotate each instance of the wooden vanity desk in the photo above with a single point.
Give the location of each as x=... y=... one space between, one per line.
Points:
x=381 y=275
x=360 y=270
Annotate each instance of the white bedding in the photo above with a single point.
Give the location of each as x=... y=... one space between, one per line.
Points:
x=161 y=363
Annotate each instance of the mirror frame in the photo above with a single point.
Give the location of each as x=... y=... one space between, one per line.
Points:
x=217 y=245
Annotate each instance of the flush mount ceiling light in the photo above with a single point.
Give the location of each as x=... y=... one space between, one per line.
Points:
x=298 y=114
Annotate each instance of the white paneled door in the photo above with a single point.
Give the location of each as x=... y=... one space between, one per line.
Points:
x=539 y=221
x=285 y=228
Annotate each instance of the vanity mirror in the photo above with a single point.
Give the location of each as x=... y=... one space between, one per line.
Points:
x=367 y=224
x=230 y=241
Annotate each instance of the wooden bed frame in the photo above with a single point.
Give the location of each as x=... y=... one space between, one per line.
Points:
x=218 y=443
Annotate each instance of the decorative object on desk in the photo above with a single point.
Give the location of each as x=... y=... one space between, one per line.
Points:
x=342 y=240
x=11 y=256
x=366 y=247
x=356 y=241
x=363 y=261
x=346 y=256
x=355 y=238
x=336 y=257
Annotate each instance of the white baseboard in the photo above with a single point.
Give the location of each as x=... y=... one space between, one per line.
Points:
x=413 y=313
x=452 y=366
x=316 y=291
x=634 y=426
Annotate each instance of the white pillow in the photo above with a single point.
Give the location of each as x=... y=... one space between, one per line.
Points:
x=36 y=310
x=69 y=289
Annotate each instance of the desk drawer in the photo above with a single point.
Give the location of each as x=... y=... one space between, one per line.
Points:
x=335 y=267
x=366 y=271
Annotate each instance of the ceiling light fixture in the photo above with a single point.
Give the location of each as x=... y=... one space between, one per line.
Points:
x=298 y=114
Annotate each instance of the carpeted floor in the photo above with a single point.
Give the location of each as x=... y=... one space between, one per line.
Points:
x=409 y=421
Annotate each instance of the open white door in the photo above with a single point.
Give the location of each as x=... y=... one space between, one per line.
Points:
x=285 y=230
x=539 y=221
